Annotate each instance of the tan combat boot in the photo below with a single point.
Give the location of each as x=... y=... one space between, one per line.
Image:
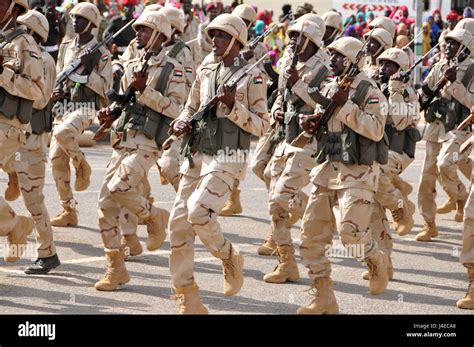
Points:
x=83 y=175
x=156 y=227
x=378 y=272
x=233 y=273
x=448 y=206
x=287 y=270
x=232 y=206
x=460 y=211
x=467 y=302
x=67 y=218
x=366 y=274
x=189 y=300
x=324 y=301
x=404 y=187
x=17 y=237
x=131 y=245
x=116 y=273
x=13 y=190
x=428 y=231
x=403 y=219
x=269 y=247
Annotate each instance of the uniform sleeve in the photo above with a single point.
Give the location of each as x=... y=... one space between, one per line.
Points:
x=170 y=104
x=101 y=78
x=254 y=117
x=403 y=113
x=189 y=68
x=50 y=79
x=24 y=76
x=369 y=121
x=194 y=98
x=458 y=91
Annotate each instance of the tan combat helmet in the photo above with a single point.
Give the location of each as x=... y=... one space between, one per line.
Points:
x=246 y=12
x=88 y=11
x=232 y=25
x=312 y=17
x=397 y=56
x=152 y=7
x=334 y=20
x=175 y=16
x=35 y=22
x=467 y=24
x=384 y=23
x=311 y=31
x=24 y=8
x=348 y=47
x=23 y=4
x=156 y=21
x=464 y=37
x=382 y=36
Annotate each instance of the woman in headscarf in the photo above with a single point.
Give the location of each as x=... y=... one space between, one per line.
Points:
x=468 y=13
x=434 y=30
x=426 y=46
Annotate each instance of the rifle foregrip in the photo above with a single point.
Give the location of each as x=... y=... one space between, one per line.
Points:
x=168 y=142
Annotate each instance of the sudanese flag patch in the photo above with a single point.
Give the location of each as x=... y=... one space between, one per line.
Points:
x=258 y=80
x=373 y=100
x=178 y=73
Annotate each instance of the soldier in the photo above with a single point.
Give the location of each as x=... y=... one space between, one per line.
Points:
x=289 y=167
x=190 y=31
x=450 y=107
x=213 y=9
x=160 y=90
x=29 y=171
x=21 y=83
x=379 y=41
x=402 y=136
x=213 y=160
x=346 y=177
x=333 y=22
x=122 y=40
x=452 y=20
x=86 y=89
x=249 y=16
x=384 y=23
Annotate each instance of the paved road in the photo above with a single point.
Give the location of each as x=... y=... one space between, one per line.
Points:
x=428 y=276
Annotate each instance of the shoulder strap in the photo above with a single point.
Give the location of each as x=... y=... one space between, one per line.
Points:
x=11 y=36
x=361 y=92
x=164 y=76
x=468 y=75
x=177 y=48
x=319 y=77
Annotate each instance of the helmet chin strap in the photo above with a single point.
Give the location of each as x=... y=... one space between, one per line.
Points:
x=151 y=42
x=7 y=14
x=303 y=48
x=333 y=35
x=229 y=47
x=86 y=28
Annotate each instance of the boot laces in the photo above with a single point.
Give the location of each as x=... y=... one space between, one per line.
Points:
x=397 y=214
x=229 y=267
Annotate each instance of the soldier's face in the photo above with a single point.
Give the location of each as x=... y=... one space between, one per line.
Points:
x=338 y=63
x=143 y=35
x=327 y=34
x=220 y=42
x=186 y=4
x=373 y=46
x=4 y=5
x=79 y=24
x=387 y=69
x=452 y=47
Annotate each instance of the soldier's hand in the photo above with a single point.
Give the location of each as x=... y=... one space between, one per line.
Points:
x=291 y=76
x=103 y=115
x=182 y=126
x=450 y=74
x=247 y=54
x=139 y=80
x=309 y=122
x=341 y=97
x=118 y=71
x=226 y=95
x=58 y=94
x=397 y=76
x=279 y=115
x=88 y=60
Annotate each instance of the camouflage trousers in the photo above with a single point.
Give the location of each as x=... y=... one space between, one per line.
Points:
x=289 y=175
x=467 y=253
x=120 y=189
x=11 y=139
x=30 y=168
x=169 y=164
x=195 y=210
x=354 y=208
x=262 y=157
x=441 y=160
x=388 y=197
x=64 y=148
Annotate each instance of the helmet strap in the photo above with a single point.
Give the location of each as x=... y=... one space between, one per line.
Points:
x=8 y=14
x=303 y=48
x=229 y=47
x=86 y=28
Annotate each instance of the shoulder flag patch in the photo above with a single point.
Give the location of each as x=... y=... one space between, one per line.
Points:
x=178 y=73
x=189 y=70
x=373 y=100
x=104 y=57
x=258 y=80
x=34 y=55
x=329 y=78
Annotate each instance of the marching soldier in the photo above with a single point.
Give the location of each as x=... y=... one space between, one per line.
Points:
x=402 y=136
x=213 y=162
x=29 y=172
x=383 y=23
x=21 y=83
x=160 y=91
x=289 y=167
x=86 y=89
x=333 y=21
x=379 y=41
x=346 y=177
x=453 y=84
x=190 y=31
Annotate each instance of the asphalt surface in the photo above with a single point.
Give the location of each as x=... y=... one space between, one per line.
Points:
x=428 y=276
